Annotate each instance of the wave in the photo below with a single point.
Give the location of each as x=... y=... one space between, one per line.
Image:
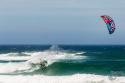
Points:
x=34 y=58
x=16 y=54
x=16 y=68
x=76 y=78
x=14 y=58
x=80 y=53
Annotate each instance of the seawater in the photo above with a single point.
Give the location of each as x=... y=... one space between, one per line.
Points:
x=65 y=64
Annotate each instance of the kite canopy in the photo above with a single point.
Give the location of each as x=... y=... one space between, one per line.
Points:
x=109 y=22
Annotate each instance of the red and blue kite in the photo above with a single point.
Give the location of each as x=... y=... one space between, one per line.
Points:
x=109 y=22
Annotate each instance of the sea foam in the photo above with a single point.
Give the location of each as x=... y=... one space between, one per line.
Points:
x=77 y=78
x=34 y=58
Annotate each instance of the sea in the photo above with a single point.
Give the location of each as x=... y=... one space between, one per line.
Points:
x=62 y=64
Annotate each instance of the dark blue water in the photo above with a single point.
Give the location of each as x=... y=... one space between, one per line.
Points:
x=101 y=59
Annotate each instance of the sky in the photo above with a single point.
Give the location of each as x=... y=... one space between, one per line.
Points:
x=60 y=21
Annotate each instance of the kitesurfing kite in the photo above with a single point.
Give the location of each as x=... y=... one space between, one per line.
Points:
x=109 y=22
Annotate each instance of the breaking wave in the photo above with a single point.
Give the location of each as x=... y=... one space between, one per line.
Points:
x=31 y=61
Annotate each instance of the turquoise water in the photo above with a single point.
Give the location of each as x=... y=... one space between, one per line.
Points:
x=97 y=59
x=62 y=60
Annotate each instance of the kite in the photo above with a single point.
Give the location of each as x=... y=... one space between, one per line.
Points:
x=109 y=22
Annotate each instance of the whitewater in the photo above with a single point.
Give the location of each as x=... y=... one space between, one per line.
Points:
x=77 y=78
x=58 y=66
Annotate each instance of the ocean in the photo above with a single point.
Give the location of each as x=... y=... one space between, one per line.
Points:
x=62 y=64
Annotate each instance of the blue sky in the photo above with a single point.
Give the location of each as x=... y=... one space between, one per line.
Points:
x=60 y=21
